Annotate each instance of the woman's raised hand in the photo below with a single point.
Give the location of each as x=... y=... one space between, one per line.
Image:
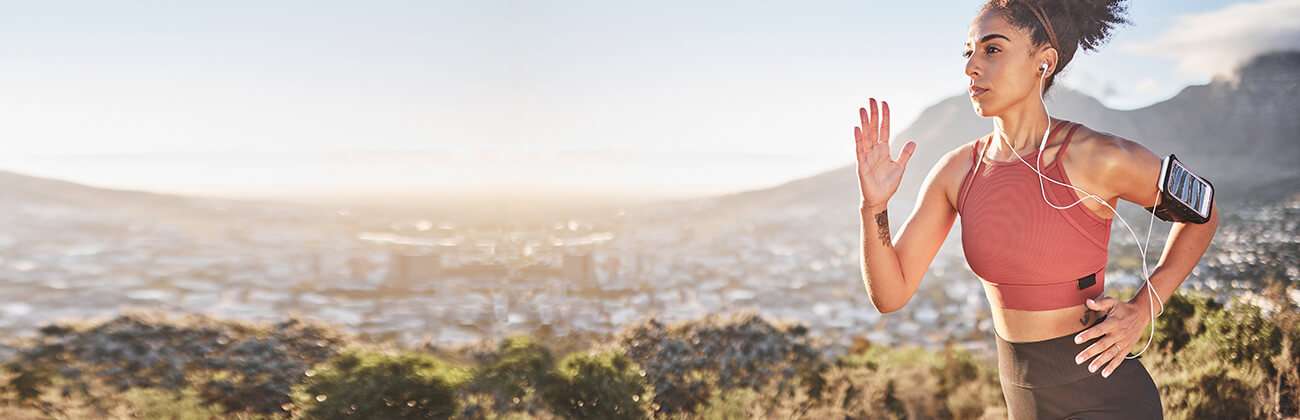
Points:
x=878 y=173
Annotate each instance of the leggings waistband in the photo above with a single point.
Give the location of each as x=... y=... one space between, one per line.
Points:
x=1043 y=363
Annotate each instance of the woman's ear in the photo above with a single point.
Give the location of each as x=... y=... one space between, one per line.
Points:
x=1048 y=56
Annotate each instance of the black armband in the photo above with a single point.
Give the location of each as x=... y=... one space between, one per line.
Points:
x=1184 y=196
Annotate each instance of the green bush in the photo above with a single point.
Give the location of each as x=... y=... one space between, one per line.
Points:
x=688 y=363
x=740 y=403
x=512 y=375
x=854 y=393
x=95 y=399
x=1236 y=359
x=1207 y=391
x=1287 y=380
x=1183 y=318
x=238 y=365
x=951 y=383
x=1210 y=361
x=405 y=385
x=1242 y=334
x=153 y=403
x=858 y=393
x=605 y=385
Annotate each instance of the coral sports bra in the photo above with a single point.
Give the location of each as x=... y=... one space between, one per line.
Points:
x=1032 y=256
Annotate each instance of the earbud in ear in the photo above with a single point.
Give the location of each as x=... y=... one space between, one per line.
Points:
x=1042 y=68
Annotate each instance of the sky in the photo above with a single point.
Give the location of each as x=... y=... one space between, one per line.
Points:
x=249 y=98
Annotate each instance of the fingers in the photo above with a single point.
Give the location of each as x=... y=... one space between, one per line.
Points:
x=908 y=149
x=864 y=129
x=1098 y=330
x=1114 y=364
x=873 y=130
x=1104 y=303
x=884 y=123
x=1106 y=357
x=1092 y=350
x=857 y=142
x=1099 y=350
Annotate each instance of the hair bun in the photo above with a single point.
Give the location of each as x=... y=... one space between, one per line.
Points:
x=1091 y=21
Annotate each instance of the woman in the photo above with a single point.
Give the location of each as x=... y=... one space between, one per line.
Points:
x=1061 y=345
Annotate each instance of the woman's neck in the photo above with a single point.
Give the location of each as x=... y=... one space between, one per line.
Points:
x=1024 y=128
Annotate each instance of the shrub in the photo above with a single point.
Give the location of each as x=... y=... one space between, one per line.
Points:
x=1183 y=318
x=857 y=393
x=951 y=383
x=240 y=366
x=152 y=403
x=405 y=385
x=1207 y=391
x=1283 y=389
x=1236 y=359
x=1242 y=334
x=511 y=375
x=734 y=404
x=690 y=362
x=604 y=385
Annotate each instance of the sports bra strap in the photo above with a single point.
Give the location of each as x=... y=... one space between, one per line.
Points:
x=1066 y=143
x=964 y=189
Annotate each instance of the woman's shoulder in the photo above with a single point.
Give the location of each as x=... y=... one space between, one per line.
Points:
x=963 y=155
x=956 y=161
x=1101 y=149
x=1111 y=159
x=951 y=168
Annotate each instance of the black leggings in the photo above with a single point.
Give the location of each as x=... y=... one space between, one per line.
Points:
x=1041 y=381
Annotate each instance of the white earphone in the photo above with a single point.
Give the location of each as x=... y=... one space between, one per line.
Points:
x=1038 y=169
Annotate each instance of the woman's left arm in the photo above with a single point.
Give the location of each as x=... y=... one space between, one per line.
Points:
x=1132 y=171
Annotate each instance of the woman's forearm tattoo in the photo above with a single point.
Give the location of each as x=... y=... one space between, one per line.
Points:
x=882 y=227
x=882 y=232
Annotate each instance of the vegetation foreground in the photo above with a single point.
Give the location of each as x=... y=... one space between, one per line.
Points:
x=1210 y=360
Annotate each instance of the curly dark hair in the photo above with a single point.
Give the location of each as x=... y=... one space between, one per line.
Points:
x=1072 y=23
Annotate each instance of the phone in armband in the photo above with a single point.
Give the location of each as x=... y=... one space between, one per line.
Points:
x=1184 y=196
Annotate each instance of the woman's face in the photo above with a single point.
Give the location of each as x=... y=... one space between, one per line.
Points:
x=1002 y=71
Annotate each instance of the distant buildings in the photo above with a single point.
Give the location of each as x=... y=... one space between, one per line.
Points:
x=415 y=262
x=410 y=266
x=454 y=285
x=580 y=270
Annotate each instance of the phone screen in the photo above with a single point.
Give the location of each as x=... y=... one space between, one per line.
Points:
x=1190 y=189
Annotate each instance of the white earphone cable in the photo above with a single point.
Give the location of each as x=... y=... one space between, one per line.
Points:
x=1141 y=247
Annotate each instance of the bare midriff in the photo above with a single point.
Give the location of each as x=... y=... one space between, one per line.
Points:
x=1019 y=326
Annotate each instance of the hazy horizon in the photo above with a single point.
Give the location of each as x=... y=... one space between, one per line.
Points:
x=325 y=176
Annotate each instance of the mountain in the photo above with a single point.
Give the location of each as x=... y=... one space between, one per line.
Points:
x=16 y=187
x=1239 y=131
x=41 y=195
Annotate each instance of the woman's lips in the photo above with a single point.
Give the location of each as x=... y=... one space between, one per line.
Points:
x=976 y=91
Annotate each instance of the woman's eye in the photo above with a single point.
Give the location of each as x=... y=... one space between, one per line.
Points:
x=987 y=50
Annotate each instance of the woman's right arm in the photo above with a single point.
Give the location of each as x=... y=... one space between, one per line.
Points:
x=892 y=270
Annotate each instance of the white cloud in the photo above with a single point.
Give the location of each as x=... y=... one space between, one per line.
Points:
x=1147 y=86
x=1213 y=43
